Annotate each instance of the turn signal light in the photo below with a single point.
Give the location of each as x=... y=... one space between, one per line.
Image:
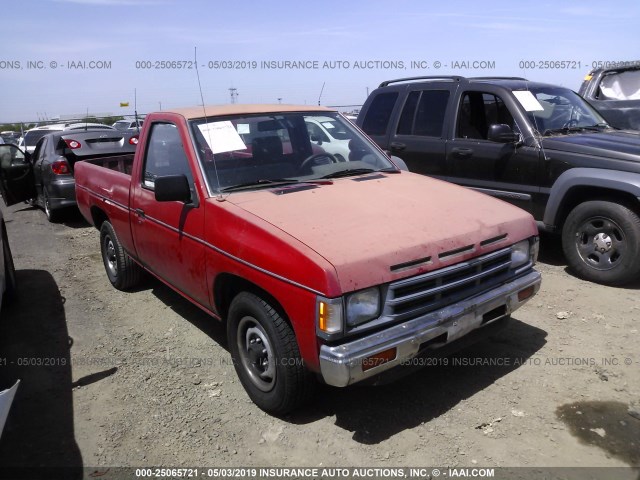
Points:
x=526 y=293
x=379 y=358
x=60 y=167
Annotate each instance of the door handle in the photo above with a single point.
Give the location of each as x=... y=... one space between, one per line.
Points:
x=140 y=214
x=397 y=146
x=462 y=152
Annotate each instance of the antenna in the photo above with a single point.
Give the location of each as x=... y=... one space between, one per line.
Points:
x=220 y=197
x=135 y=109
x=321 y=90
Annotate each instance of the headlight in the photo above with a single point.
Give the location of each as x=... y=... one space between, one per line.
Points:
x=520 y=254
x=363 y=306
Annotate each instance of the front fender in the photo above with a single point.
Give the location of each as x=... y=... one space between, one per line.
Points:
x=626 y=182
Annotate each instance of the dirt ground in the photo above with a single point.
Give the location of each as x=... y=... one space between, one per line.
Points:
x=144 y=378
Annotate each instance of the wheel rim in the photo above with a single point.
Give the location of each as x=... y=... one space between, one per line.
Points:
x=601 y=243
x=256 y=354
x=110 y=258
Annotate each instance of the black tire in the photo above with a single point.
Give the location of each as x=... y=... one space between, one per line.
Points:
x=52 y=215
x=122 y=271
x=601 y=242
x=271 y=372
x=9 y=269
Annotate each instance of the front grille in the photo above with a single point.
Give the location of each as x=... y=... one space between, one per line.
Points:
x=415 y=296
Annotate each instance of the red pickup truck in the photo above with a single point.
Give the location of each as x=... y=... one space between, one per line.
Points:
x=322 y=267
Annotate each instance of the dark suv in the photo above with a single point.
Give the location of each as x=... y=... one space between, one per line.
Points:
x=538 y=146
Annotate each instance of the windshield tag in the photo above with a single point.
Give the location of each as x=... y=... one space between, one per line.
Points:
x=528 y=101
x=222 y=137
x=243 y=128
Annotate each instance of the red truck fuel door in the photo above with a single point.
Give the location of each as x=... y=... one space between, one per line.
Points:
x=16 y=175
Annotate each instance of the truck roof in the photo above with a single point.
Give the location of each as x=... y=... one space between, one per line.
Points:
x=238 y=109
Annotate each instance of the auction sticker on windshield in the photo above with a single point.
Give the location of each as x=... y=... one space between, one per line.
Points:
x=221 y=137
x=528 y=101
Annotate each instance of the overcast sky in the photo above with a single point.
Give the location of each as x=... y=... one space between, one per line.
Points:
x=118 y=33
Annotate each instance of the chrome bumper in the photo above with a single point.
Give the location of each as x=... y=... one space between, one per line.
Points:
x=341 y=365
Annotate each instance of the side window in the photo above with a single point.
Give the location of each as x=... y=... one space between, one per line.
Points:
x=165 y=154
x=479 y=110
x=430 y=114
x=428 y=108
x=405 y=125
x=377 y=117
x=39 y=150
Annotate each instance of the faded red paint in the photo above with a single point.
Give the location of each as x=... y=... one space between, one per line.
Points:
x=336 y=238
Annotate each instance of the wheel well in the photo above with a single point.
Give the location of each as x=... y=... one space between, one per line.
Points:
x=578 y=195
x=98 y=216
x=227 y=286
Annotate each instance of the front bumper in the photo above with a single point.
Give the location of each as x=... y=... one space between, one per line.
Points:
x=342 y=365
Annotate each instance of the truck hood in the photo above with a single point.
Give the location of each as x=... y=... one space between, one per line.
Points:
x=621 y=145
x=378 y=228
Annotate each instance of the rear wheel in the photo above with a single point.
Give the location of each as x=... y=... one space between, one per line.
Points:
x=52 y=215
x=601 y=241
x=122 y=271
x=266 y=356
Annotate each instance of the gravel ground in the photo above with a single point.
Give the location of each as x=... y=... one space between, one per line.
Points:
x=144 y=378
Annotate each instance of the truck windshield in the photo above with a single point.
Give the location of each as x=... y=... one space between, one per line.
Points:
x=254 y=151
x=562 y=111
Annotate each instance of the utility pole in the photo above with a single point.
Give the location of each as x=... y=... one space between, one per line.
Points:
x=234 y=94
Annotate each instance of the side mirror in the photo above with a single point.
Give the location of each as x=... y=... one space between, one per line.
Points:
x=400 y=163
x=171 y=188
x=501 y=133
x=316 y=138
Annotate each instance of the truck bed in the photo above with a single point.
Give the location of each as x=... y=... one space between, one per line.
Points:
x=119 y=163
x=104 y=183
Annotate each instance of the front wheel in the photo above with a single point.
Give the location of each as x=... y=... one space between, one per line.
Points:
x=122 y=271
x=601 y=241
x=266 y=356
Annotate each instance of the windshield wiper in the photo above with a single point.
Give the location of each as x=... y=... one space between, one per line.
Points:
x=576 y=129
x=597 y=127
x=263 y=182
x=349 y=172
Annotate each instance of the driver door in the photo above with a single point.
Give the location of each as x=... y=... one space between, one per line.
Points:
x=16 y=175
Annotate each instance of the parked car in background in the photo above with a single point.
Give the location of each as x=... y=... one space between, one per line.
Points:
x=88 y=126
x=615 y=93
x=10 y=137
x=53 y=160
x=128 y=124
x=329 y=134
x=31 y=137
x=538 y=146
